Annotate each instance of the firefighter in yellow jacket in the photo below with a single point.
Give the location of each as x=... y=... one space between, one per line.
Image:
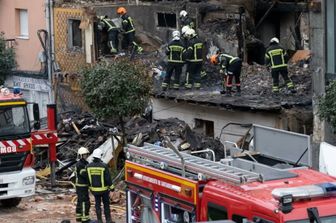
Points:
x=100 y=184
x=82 y=187
x=276 y=58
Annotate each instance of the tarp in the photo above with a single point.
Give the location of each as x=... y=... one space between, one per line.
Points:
x=327 y=159
x=107 y=147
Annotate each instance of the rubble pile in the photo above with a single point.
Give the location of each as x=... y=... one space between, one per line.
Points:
x=257 y=80
x=85 y=130
x=180 y=133
x=76 y=130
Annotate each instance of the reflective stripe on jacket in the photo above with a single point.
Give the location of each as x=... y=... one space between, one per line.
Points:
x=195 y=50
x=175 y=50
x=99 y=176
x=127 y=24
x=225 y=60
x=110 y=24
x=276 y=57
x=80 y=173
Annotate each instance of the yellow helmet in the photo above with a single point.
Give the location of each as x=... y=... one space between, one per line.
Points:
x=121 y=11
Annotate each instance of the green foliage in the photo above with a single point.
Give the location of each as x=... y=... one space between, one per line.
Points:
x=119 y=89
x=7 y=59
x=327 y=105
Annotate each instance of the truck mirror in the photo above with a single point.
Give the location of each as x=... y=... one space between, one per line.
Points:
x=36 y=113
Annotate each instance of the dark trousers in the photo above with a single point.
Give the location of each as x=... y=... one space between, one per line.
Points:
x=128 y=40
x=194 y=76
x=83 y=204
x=113 y=37
x=175 y=68
x=277 y=73
x=99 y=197
x=234 y=71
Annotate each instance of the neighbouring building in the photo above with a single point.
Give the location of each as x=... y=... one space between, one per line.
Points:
x=21 y=21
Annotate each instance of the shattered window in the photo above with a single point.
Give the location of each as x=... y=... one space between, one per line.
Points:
x=166 y=20
x=74 y=34
x=204 y=127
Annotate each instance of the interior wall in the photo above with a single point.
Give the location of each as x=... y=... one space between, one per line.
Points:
x=163 y=109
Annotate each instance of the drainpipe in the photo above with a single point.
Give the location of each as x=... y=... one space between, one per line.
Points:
x=49 y=21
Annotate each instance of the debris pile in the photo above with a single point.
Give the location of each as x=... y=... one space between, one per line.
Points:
x=180 y=133
x=85 y=130
x=257 y=80
x=77 y=130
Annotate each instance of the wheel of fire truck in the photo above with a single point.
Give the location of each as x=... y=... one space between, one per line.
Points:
x=9 y=203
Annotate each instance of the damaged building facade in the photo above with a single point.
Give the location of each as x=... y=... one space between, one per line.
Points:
x=241 y=28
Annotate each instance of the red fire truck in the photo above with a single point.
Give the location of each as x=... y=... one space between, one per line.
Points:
x=166 y=186
x=17 y=177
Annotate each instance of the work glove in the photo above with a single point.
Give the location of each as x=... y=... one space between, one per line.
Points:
x=111 y=188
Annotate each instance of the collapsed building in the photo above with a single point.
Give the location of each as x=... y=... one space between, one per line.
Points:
x=241 y=28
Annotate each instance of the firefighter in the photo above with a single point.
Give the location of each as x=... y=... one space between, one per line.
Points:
x=276 y=58
x=185 y=20
x=230 y=66
x=175 y=50
x=194 y=57
x=100 y=184
x=82 y=187
x=128 y=30
x=112 y=31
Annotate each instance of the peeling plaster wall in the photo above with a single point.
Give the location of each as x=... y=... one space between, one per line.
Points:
x=187 y=112
x=296 y=120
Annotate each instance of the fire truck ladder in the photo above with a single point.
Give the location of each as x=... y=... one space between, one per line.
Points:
x=203 y=168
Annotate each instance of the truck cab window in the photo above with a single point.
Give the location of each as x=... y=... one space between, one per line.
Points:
x=13 y=121
x=216 y=212
x=239 y=218
x=261 y=220
x=172 y=214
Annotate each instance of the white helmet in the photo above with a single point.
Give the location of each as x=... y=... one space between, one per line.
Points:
x=190 y=33
x=183 y=13
x=97 y=153
x=184 y=30
x=82 y=151
x=176 y=35
x=274 y=40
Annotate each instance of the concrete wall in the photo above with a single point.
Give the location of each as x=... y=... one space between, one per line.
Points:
x=286 y=36
x=147 y=23
x=27 y=49
x=187 y=112
x=266 y=31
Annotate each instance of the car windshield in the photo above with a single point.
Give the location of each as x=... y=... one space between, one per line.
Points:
x=329 y=219
x=13 y=121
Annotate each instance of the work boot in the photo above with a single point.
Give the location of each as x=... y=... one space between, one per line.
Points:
x=228 y=92
x=188 y=86
x=238 y=91
x=139 y=49
x=164 y=86
x=197 y=86
x=222 y=91
x=99 y=217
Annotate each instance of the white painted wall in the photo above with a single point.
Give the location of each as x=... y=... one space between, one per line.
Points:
x=34 y=90
x=163 y=109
